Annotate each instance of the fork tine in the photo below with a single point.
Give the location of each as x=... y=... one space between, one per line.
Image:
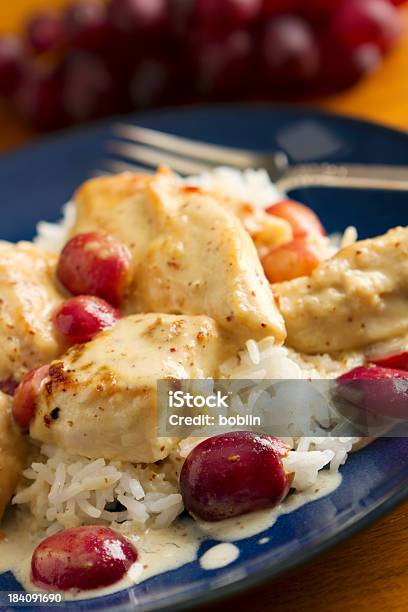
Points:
x=185 y=147
x=152 y=157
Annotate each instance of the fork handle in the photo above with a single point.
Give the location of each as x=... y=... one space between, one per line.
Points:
x=357 y=176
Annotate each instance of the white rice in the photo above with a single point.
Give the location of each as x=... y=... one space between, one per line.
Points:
x=252 y=186
x=52 y=236
x=268 y=361
x=66 y=491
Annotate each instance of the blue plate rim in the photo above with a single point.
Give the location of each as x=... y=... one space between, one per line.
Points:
x=355 y=524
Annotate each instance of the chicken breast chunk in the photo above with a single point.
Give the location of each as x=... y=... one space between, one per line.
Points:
x=356 y=298
x=119 y=206
x=191 y=254
x=204 y=262
x=13 y=453
x=101 y=397
x=28 y=297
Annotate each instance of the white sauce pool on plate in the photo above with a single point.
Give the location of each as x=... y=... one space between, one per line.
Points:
x=165 y=549
x=219 y=556
x=251 y=524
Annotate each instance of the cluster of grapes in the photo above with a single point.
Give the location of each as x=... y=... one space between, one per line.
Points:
x=95 y=59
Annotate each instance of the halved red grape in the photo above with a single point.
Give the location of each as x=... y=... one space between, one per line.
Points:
x=83 y=558
x=11 y=57
x=8 y=385
x=45 y=32
x=95 y=264
x=358 y=22
x=26 y=394
x=299 y=257
x=232 y=474
x=81 y=318
x=397 y=360
x=301 y=218
x=377 y=390
x=289 y=51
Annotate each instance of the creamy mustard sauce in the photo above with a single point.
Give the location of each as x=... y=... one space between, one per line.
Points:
x=160 y=550
x=219 y=555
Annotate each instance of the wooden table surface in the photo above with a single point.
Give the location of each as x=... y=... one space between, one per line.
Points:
x=370 y=571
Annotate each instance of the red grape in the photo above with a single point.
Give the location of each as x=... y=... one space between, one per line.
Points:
x=289 y=51
x=366 y=58
x=234 y=473
x=377 y=390
x=299 y=257
x=318 y=12
x=87 y=25
x=275 y=7
x=81 y=318
x=89 y=89
x=342 y=67
x=82 y=558
x=95 y=264
x=180 y=15
x=395 y=360
x=137 y=15
x=223 y=61
x=11 y=56
x=45 y=32
x=26 y=394
x=8 y=386
x=39 y=97
x=358 y=22
x=324 y=6
x=231 y=12
x=149 y=81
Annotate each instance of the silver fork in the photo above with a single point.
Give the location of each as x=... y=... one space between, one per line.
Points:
x=138 y=147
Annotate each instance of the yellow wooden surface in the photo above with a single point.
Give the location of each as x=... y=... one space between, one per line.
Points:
x=370 y=571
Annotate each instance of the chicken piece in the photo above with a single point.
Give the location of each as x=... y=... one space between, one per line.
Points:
x=119 y=206
x=100 y=399
x=13 y=453
x=28 y=296
x=205 y=263
x=356 y=298
x=191 y=255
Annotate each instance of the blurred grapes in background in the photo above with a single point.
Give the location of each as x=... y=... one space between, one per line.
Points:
x=99 y=58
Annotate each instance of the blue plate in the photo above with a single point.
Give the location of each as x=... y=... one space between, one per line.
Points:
x=35 y=183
